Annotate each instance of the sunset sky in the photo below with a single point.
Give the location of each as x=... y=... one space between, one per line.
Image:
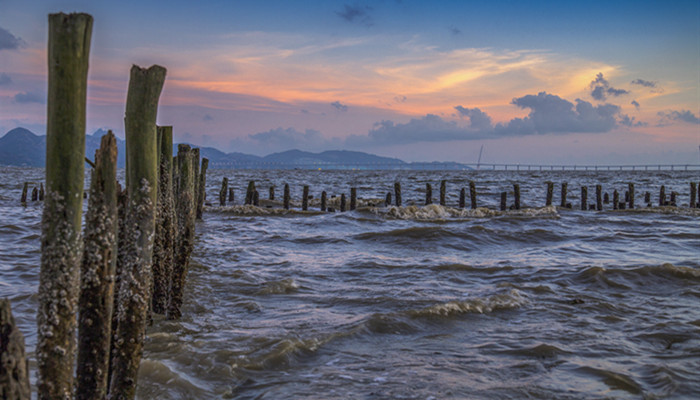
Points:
x=532 y=81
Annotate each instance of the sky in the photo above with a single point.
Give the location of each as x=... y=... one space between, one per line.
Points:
x=533 y=82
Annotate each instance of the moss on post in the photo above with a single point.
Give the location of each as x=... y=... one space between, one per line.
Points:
x=68 y=53
x=163 y=246
x=97 y=275
x=145 y=85
x=14 y=369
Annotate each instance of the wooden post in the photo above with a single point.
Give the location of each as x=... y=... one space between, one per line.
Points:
x=504 y=200
x=693 y=198
x=164 y=244
x=443 y=190
x=324 y=200
x=397 y=193
x=184 y=243
x=353 y=198
x=68 y=53
x=272 y=192
x=97 y=275
x=250 y=193
x=599 y=197
x=673 y=198
x=662 y=196
x=647 y=198
x=256 y=198
x=516 y=194
x=428 y=194
x=145 y=85
x=35 y=194
x=231 y=195
x=195 y=164
x=630 y=189
x=41 y=192
x=563 y=194
x=201 y=188
x=472 y=194
x=584 y=198
x=550 y=193
x=387 y=199
x=122 y=248
x=23 y=199
x=286 y=196
x=342 y=202
x=14 y=369
x=616 y=199
x=305 y=198
x=222 y=192
x=462 y=198
x=606 y=198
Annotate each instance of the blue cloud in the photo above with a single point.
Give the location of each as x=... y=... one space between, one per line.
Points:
x=30 y=97
x=683 y=116
x=601 y=89
x=339 y=106
x=5 y=79
x=356 y=14
x=8 y=41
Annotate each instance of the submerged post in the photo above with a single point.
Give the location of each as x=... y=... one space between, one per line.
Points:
x=387 y=199
x=647 y=198
x=25 y=189
x=504 y=200
x=35 y=194
x=563 y=194
x=584 y=198
x=250 y=192
x=256 y=198
x=164 y=244
x=616 y=199
x=353 y=198
x=41 y=192
x=286 y=196
x=472 y=194
x=342 y=202
x=550 y=193
x=397 y=193
x=68 y=53
x=443 y=190
x=14 y=368
x=516 y=194
x=97 y=275
x=145 y=85
x=462 y=198
x=272 y=192
x=630 y=189
x=222 y=192
x=428 y=194
x=693 y=194
x=324 y=200
x=662 y=196
x=599 y=197
x=230 y=195
x=305 y=198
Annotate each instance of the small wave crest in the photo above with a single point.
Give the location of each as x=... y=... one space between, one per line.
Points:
x=438 y=212
x=284 y=286
x=509 y=300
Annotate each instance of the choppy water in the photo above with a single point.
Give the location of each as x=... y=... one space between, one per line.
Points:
x=418 y=302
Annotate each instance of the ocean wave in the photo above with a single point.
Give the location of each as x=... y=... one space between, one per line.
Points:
x=284 y=286
x=435 y=212
x=512 y=299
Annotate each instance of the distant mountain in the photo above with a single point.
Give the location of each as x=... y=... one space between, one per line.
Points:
x=21 y=147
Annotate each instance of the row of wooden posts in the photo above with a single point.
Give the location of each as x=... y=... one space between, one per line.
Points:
x=132 y=259
x=253 y=197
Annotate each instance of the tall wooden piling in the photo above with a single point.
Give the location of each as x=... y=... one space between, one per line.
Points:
x=462 y=198
x=563 y=194
x=693 y=195
x=286 y=198
x=97 y=275
x=324 y=201
x=201 y=187
x=164 y=244
x=599 y=197
x=472 y=194
x=353 y=198
x=630 y=189
x=305 y=198
x=145 y=85
x=662 y=196
x=342 y=202
x=516 y=194
x=25 y=189
x=504 y=200
x=428 y=194
x=195 y=163
x=14 y=368
x=550 y=193
x=443 y=192
x=584 y=198
x=397 y=193
x=222 y=192
x=68 y=53
x=616 y=199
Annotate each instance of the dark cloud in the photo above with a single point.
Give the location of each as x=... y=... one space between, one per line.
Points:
x=8 y=41
x=628 y=121
x=478 y=119
x=644 y=83
x=635 y=104
x=339 y=106
x=430 y=128
x=207 y=118
x=683 y=116
x=454 y=31
x=288 y=138
x=400 y=99
x=356 y=14
x=30 y=97
x=5 y=79
x=601 y=89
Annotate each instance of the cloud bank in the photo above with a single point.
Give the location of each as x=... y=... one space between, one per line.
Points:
x=683 y=116
x=8 y=41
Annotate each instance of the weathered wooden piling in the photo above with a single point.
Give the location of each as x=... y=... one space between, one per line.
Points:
x=673 y=198
x=516 y=195
x=616 y=199
x=428 y=194
x=563 y=194
x=164 y=244
x=584 y=198
x=286 y=198
x=353 y=198
x=387 y=199
x=342 y=202
x=630 y=189
x=35 y=194
x=250 y=192
x=647 y=198
x=599 y=197
x=272 y=193
x=305 y=198
x=25 y=189
x=201 y=187
x=184 y=243
x=324 y=201
x=443 y=192
x=662 y=196
x=145 y=86
x=231 y=196
x=606 y=198
x=195 y=163
x=462 y=198
x=472 y=194
x=97 y=275
x=693 y=195
x=41 y=192
x=550 y=193
x=397 y=193
x=222 y=192
x=504 y=200
x=14 y=368
x=68 y=53
x=256 y=198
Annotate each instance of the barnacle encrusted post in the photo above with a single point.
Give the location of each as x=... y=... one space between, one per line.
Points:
x=14 y=371
x=201 y=188
x=184 y=241
x=97 y=275
x=145 y=86
x=68 y=53
x=165 y=221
